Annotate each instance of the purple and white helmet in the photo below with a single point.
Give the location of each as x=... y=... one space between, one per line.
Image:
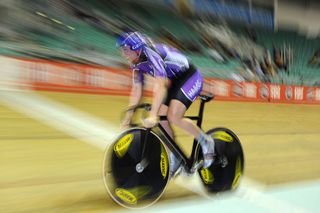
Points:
x=133 y=39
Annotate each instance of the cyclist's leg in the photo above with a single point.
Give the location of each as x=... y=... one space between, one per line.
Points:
x=183 y=93
x=163 y=111
x=176 y=113
x=175 y=163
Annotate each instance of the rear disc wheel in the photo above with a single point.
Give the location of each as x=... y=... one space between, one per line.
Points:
x=227 y=169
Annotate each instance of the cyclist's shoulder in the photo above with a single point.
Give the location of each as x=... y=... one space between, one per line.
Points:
x=165 y=47
x=151 y=53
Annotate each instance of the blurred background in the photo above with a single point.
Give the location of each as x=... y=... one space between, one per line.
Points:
x=63 y=82
x=268 y=41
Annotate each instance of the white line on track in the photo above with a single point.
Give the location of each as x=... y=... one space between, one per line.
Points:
x=73 y=122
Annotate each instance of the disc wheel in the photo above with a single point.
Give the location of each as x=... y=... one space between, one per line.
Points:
x=133 y=180
x=225 y=172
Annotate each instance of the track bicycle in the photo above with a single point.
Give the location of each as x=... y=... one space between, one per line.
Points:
x=136 y=164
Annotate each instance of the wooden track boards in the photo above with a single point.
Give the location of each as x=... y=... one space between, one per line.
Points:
x=45 y=170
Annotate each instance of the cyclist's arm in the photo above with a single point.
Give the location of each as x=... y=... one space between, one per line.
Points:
x=135 y=97
x=160 y=79
x=137 y=86
x=136 y=94
x=159 y=93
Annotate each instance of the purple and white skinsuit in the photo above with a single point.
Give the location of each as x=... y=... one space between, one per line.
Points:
x=168 y=62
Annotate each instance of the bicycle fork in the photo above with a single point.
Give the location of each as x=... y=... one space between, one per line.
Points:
x=143 y=162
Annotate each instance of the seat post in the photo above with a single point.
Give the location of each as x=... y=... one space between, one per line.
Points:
x=199 y=123
x=200 y=115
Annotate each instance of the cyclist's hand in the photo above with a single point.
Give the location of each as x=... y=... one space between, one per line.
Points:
x=125 y=124
x=126 y=121
x=150 y=121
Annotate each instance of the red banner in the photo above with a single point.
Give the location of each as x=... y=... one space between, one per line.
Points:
x=230 y=90
x=53 y=76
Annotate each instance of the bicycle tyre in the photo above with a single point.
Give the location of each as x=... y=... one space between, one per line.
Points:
x=124 y=183
x=225 y=173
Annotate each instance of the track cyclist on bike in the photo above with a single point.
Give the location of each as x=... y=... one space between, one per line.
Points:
x=177 y=83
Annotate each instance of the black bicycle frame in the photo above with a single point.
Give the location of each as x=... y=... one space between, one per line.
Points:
x=173 y=146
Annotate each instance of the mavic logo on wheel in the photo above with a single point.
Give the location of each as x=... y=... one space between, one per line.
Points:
x=221 y=135
x=122 y=145
x=163 y=163
x=126 y=196
x=206 y=176
x=237 y=174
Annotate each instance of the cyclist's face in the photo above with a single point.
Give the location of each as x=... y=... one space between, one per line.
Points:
x=130 y=55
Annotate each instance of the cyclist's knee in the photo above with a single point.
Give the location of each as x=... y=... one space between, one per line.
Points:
x=163 y=110
x=172 y=118
x=164 y=123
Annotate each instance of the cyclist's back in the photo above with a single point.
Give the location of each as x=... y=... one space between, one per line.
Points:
x=158 y=57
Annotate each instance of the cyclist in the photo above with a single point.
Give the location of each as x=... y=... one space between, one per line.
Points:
x=177 y=83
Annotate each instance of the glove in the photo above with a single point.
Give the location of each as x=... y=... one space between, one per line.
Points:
x=125 y=124
x=126 y=121
x=150 y=121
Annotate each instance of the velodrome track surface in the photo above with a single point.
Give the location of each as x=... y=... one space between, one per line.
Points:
x=52 y=147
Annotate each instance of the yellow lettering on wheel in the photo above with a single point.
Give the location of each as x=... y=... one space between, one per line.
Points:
x=207 y=176
x=237 y=174
x=132 y=195
x=221 y=135
x=163 y=162
x=126 y=196
x=121 y=147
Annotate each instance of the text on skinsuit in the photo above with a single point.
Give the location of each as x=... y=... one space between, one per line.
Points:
x=195 y=89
